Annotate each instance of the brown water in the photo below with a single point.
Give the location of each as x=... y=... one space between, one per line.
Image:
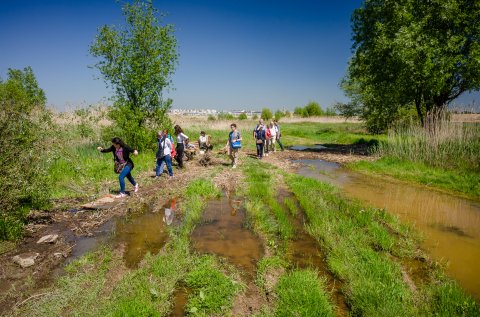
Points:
x=180 y=296
x=223 y=233
x=450 y=224
x=140 y=233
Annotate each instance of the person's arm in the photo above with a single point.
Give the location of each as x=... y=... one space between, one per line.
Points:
x=239 y=137
x=130 y=150
x=101 y=149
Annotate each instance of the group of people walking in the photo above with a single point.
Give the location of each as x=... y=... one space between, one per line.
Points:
x=266 y=137
x=123 y=164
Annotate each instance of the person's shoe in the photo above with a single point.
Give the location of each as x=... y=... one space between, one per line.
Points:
x=266 y=154
x=234 y=166
x=136 y=188
x=121 y=195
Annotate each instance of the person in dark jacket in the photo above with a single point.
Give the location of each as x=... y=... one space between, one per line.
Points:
x=121 y=156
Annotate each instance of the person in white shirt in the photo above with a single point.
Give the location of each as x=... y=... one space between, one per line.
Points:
x=273 y=137
x=181 y=140
x=163 y=155
x=204 y=142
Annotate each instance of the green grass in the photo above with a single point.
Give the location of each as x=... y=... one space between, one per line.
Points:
x=212 y=291
x=359 y=244
x=262 y=205
x=462 y=182
x=308 y=133
x=301 y=293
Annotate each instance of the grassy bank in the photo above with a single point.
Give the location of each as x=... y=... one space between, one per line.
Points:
x=365 y=247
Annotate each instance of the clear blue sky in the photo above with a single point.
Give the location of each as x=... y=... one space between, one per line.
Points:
x=241 y=54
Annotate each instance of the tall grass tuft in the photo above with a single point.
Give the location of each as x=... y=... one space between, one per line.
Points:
x=442 y=143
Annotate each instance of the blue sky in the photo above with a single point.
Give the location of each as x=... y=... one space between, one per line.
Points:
x=238 y=54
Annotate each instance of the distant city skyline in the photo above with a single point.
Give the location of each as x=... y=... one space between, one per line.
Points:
x=233 y=54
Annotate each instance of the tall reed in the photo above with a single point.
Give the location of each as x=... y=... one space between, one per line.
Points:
x=441 y=143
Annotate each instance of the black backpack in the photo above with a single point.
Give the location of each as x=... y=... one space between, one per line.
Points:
x=161 y=145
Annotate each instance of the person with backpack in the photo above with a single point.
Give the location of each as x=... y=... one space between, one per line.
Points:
x=182 y=139
x=234 y=144
x=123 y=163
x=163 y=155
x=259 y=135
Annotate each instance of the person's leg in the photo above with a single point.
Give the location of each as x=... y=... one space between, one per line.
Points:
x=121 y=178
x=280 y=143
x=157 y=168
x=258 y=150
x=261 y=150
x=168 y=161
x=180 y=149
x=235 y=157
x=162 y=164
x=273 y=146
x=131 y=179
x=265 y=147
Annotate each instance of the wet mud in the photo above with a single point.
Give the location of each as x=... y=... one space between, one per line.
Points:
x=180 y=296
x=450 y=224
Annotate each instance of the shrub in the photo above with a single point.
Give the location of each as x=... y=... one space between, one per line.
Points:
x=225 y=116
x=279 y=114
x=266 y=114
x=211 y=118
x=242 y=116
x=255 y=117
x=25 y=125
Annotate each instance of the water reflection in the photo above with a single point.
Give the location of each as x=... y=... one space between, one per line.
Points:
x=450 y=224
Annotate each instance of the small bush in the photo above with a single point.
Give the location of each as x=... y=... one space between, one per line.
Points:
x=266 y=114
x=255 y=117
x=211 y=118
x=242 y=116
x=279 y=115
x=225 y=116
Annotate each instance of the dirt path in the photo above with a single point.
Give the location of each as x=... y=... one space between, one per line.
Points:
x=72 y=223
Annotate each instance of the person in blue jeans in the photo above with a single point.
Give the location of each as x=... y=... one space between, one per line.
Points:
x=164 y=154
x=121 y=156
x=259 y=135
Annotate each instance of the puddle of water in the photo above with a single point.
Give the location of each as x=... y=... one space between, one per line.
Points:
x=304 y=252
x=140 y=233
x=180 y=301
x=450 y=224
x=223 y=233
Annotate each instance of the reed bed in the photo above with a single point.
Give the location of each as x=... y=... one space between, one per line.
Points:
x=444 y=144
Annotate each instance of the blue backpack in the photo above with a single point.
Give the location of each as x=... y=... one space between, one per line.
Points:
x=260 y=134
x=236 y=144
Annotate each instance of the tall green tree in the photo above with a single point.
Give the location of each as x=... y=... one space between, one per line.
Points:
x=24 y=148
x=412 y=54
x=137 y=61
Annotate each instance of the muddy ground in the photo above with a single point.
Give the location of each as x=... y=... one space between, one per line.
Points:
x=71 y=223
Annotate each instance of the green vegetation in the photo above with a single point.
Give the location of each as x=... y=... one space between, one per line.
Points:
x=301 y=293
x=359 y=243
x=24 y=150
x=137 y=61
x=225 y=116
x=312 y=109
x=242 y=116
x=414 y=56
x=307 y=133
x=266 y=114
x=213 y=291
